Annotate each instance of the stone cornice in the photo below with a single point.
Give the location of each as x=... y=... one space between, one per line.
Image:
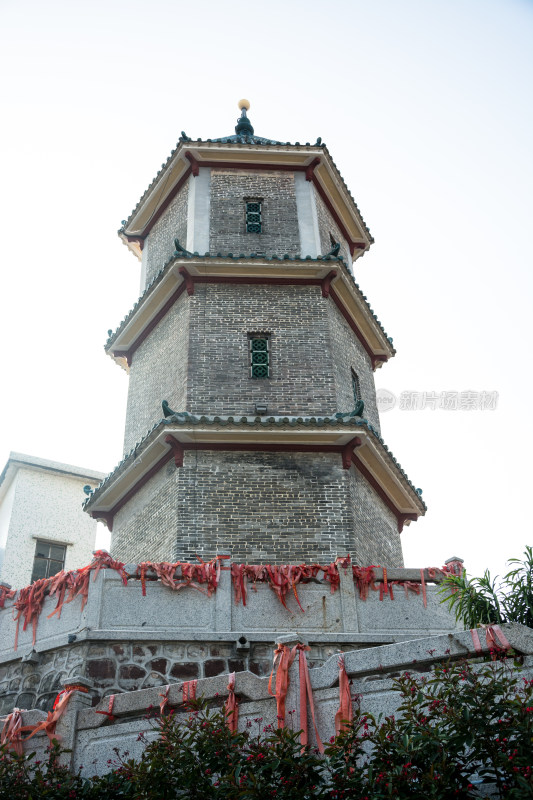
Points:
x=353 y=439
x=182 y=272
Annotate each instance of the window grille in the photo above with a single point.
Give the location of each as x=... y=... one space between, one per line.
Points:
x=356 y=388
x=49 y=560
x=259 y=357
x=253 y=216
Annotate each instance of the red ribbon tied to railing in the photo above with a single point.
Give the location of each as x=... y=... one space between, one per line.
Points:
x=231 y=708
x=189 y=691
x=109 y=713
x=494 y=636
x=11 y=734
x=344 y=715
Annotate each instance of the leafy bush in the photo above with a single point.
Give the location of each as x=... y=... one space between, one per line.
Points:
x=458 y=729
x=483 y=601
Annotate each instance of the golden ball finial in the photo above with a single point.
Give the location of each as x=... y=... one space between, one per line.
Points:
x=244 y=104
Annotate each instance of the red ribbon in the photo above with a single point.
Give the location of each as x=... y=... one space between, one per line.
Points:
x=109 y=713
x=164 y=701
x=231 y=708
x=189 y=691
x=48 y=725
x=423 y=583
x=283 y=658
x=306 y=696
x=344 y=716
x=494 y=636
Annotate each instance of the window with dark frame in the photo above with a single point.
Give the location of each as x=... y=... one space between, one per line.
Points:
x=356 y=388
x=254 y=221
x=259 y=345
x=49 y=559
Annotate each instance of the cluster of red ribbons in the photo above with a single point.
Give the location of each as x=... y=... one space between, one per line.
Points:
x=6 y=594
x=206 y=573
x=75 y=583
x=13 y=728
x=283 y=660
x=204 y=577
x=284 y=578
x=495 y=637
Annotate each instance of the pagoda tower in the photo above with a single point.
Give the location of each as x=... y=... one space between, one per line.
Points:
x=252 y=427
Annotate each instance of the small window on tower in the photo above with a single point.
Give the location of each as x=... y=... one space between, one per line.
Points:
x=253 y=216
x=259 y=356
x=356 y=388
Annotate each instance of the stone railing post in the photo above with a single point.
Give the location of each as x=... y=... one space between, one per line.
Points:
x=67 y=725
x=350 y=622
x=223 y=597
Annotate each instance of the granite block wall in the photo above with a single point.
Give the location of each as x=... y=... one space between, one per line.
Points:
x=229 y=191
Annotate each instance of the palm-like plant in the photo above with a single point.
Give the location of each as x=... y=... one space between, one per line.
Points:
x=483 y=601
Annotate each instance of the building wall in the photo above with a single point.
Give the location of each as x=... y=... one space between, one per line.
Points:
x=229 y=188
x=272 y=507
x=158 y=372
x=6 y=507
x=160 y=241
x=327 y=226
x=46 y=506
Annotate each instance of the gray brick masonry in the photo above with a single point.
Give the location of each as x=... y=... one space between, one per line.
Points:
x=259 y=507
x=158 y=372
x=229 y=191
x=171 y=225
x=197 y=358
x=328 y=227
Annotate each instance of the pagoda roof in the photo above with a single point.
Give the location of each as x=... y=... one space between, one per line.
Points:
x=183 y=268
x=253 y=153
x=332 y=433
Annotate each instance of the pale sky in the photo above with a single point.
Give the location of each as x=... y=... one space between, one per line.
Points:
x=426 y=109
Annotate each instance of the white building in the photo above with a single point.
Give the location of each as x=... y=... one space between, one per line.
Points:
x=42 y=526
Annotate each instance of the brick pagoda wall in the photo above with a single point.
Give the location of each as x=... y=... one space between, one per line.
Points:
x=172 y=224
x=279 y=235
x=259 y=507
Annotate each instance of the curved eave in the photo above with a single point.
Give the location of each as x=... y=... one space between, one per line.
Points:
x=354 y=442
x=189 y=156
x=181 y=274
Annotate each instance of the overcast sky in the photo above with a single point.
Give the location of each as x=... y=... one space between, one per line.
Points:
x=426 y=109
